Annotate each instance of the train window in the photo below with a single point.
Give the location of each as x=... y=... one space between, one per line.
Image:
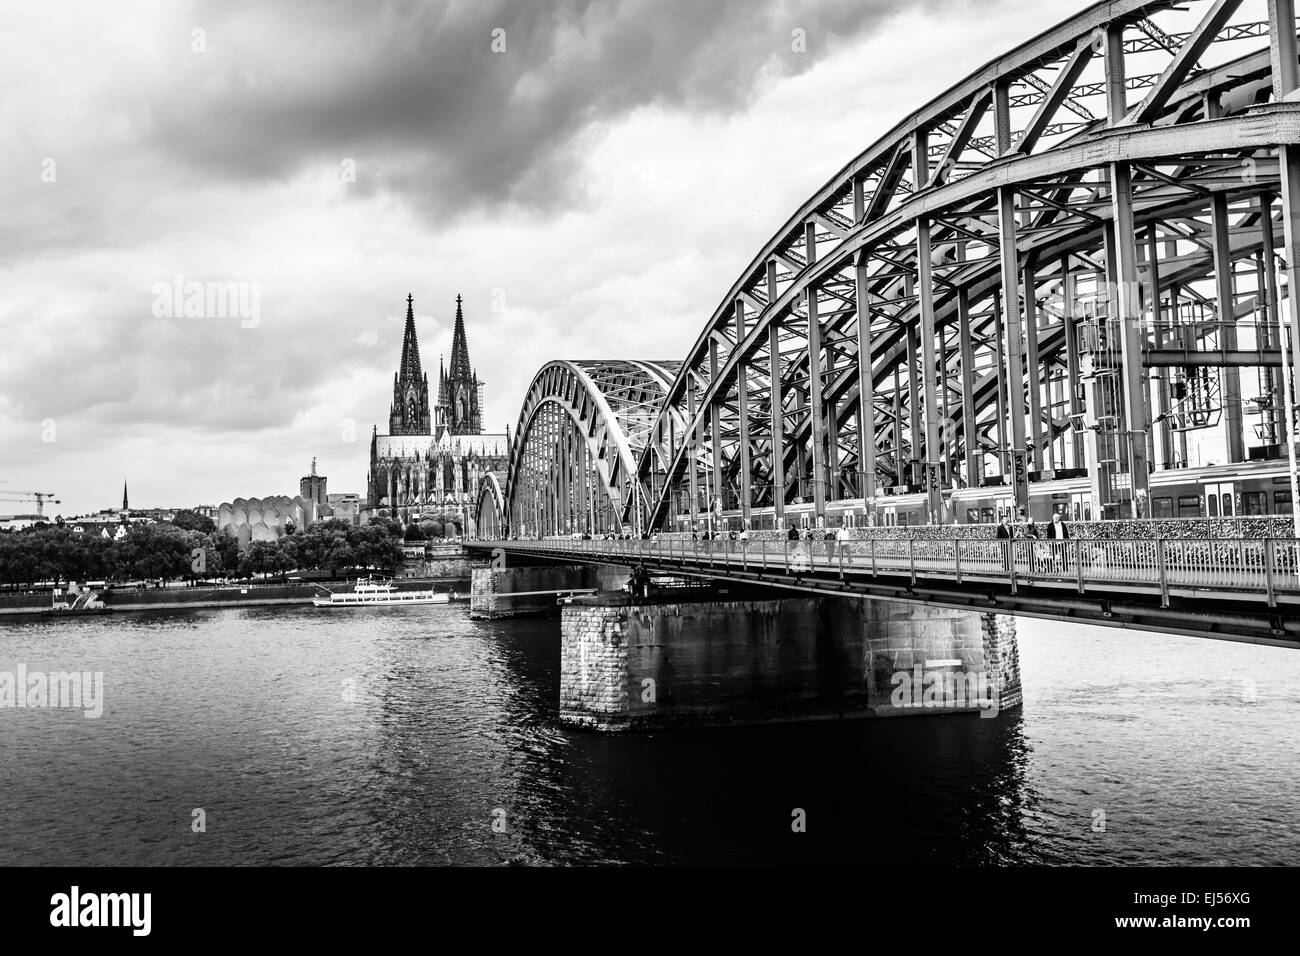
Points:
x=1254 y=502
x=1282 y=502
x=1212 y=505
x=1163 y=507
x=1189 y=506
x=972 y=516
x=1226 y=509
x=986 y=516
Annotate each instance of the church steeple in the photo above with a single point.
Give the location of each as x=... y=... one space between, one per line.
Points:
x=459 y=349
x=409 y=414
x=125 y=505
x=462 y=383
x=410 y=346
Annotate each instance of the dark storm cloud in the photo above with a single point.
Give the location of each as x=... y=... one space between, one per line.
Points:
x=414 y=93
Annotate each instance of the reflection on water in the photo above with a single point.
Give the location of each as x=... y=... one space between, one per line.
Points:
x=398 y=735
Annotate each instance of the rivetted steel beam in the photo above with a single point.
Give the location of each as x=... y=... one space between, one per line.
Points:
x=742 y=403
x=1227 y=312
x=1124 y=283
x=692 y=446
x=970 y=434
x=1193 y=47
x=914 y=436
x=815 y=406
x=1282 y=48
x=1065 y=81
x=1002 y=115
x=815 y=381
x=1115 y=85
x=1176 y=358
x=897 y=436
x=1290 y=190
x=887 y=185
x=1286 y=82
x=1267 y=279
x=961 y=138
x=1014 y=337
x=715 y=426
x=1035 y=376
x=932 y=464
x=777 y=403
x=1159 y=388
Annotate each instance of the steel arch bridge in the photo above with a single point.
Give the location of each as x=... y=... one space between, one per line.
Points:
x=1073 y=264
x=582 y=430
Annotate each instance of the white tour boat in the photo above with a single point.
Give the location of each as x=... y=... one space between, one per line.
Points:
x=369 y=593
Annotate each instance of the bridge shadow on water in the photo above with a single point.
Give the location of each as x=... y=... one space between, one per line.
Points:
x=901 y=791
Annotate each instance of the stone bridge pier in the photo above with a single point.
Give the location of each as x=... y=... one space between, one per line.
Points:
x=525 y=591
x=630 y=666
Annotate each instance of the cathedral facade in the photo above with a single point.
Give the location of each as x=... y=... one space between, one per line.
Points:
x=435 y=459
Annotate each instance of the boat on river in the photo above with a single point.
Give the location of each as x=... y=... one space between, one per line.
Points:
x=76 y=603
x=370 y=593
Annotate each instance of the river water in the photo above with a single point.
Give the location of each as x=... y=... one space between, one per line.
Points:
x=417 y=736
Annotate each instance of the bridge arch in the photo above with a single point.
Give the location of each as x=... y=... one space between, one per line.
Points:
x=1065 y=265
x=490 y=522
x=582 y=429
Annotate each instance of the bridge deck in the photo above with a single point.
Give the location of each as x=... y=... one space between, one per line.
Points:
x=1237 y=588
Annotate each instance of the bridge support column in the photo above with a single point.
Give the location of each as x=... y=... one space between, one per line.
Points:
x=970 y=437
x=777 y=404
x=1123 y=278
x=1226 y=306
x=932 y=463
x=498 y=592
x=628 y=666
x=1012 y=329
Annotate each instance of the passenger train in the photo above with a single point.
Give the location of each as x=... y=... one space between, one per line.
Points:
x=1244 y=488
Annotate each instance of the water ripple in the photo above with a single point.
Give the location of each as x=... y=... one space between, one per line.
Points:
x=413 y=736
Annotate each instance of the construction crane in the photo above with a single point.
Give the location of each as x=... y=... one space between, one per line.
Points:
x=38 y=496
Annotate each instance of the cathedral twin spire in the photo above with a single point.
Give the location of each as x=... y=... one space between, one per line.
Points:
x=457 y=406
x=409 y=413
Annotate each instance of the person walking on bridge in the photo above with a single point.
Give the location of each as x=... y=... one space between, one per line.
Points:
x=801 y=560
x=1004 y=537
x=842 y=541
x=1032 y=535
x=1058 y=533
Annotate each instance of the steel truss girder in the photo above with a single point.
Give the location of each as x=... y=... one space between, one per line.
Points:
x=1258 y=129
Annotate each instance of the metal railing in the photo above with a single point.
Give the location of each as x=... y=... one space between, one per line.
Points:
x=1235 y=566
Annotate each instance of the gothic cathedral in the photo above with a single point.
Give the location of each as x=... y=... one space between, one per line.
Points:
x=435 y=460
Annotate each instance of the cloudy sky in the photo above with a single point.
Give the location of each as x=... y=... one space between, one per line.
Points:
x=591 y=176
